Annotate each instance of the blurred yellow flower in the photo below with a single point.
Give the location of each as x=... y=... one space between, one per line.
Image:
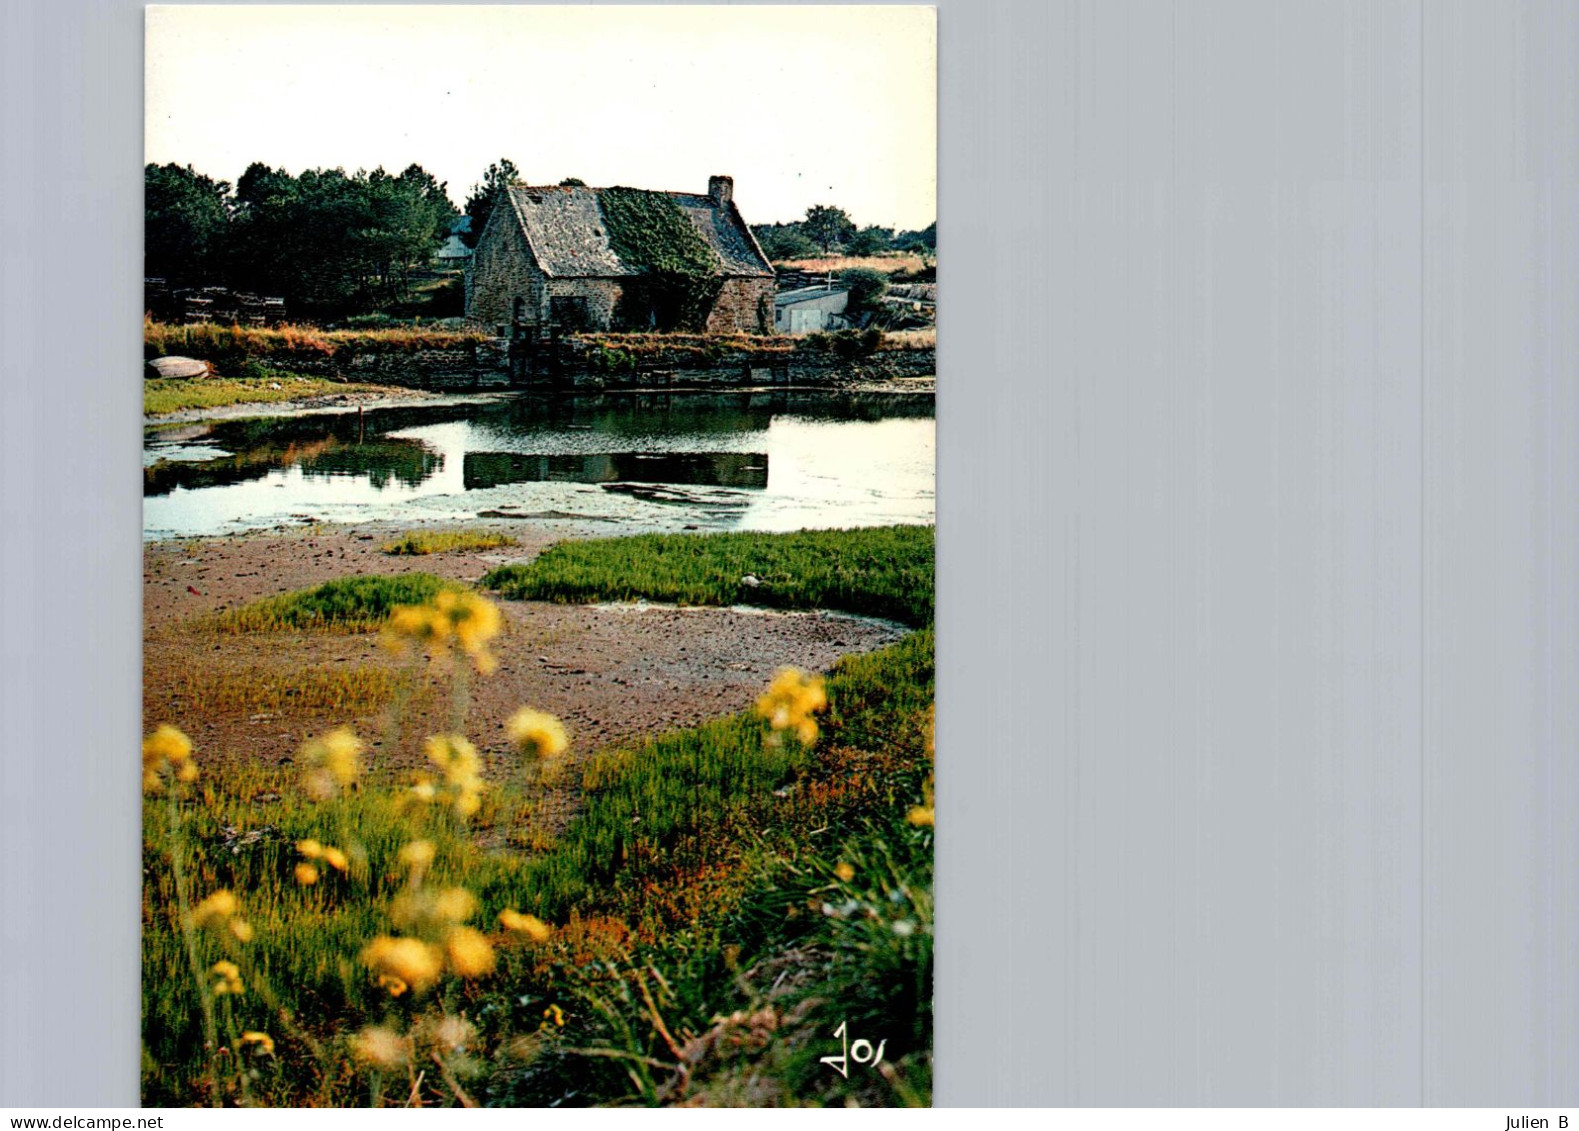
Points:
x=306 y=874
x=472 y=620
x=454 y=904
x=791 y=700
x=381 y=1047
x=844 y=871
x=332 y=762
x=336 y=860
x=556 y=1015
x=414 y=962
x=415 y=624
x=227 y=978
x=417 y=854
x=471 y=955
x=214 y=910
x=920 y=815
x=167 y=748
x=309 y=848
x=537 y=733
x=241 y=929
x=529 y=925
x=394 y=985
x=264 y=1042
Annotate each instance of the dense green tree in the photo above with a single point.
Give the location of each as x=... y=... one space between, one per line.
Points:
x=500 y=176
x=783 y=241
x=828 y=226
x=926 y=239
x=185 y=223
x=866 y=288
x=870 y=240
x=329 y=241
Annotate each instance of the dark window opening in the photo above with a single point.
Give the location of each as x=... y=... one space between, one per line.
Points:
x=568 y=312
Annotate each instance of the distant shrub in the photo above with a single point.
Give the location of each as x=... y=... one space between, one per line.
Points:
x=866 y=288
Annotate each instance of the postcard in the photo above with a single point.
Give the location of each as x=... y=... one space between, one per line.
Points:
x=538 y=539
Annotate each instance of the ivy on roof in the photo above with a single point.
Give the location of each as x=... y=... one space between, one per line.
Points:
x=650 y=234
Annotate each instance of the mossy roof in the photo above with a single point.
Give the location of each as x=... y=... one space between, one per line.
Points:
x=569 y=235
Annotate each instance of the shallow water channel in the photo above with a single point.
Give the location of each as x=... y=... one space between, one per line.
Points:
x=780 y=460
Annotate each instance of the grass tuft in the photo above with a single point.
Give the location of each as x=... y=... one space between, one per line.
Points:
x=347 y=604
x=447 y=541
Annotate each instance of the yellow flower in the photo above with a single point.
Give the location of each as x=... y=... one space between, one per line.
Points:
x=555 y=1014
x=414 y=962
x=417 y=854
x=453 y=754
x=454 y=904
x=167 y=748
x=393 y=984
x=381 y=1047
x=333 y=761
x=471 y=955
x=468 y=801
x=336 y=860
x=920 y=815
x=472 y=620
x=214 y=910
x=791 y=700
x=241 y=929
x=264 y=1042
x=529 y=925
x=537 y=733
x=309 y=848
x=306 y=874
x=844 y=871
x=424 y=789
x=415 y=624
x=227 y=978
x=167 y=744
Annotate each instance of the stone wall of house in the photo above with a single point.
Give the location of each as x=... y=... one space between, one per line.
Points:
x=502 y=271
x=744 y=306
x=602 y=296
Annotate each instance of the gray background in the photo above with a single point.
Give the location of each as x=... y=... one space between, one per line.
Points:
x=1257 y=471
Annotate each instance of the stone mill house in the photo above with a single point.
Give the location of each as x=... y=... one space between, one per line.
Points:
x=563 y=258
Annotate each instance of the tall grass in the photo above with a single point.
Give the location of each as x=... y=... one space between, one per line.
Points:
x=214 y=341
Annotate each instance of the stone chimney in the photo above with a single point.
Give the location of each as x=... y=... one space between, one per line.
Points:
x=721 y=189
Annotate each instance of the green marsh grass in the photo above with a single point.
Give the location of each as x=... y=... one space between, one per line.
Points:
x=162 y=395
x=348 y=604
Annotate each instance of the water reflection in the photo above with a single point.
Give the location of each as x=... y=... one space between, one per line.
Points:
x=773 y=460
x=712 y=469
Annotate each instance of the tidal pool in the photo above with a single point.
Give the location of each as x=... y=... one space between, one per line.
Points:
x=782 y=460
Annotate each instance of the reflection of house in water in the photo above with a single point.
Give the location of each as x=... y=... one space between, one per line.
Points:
x=747 y=470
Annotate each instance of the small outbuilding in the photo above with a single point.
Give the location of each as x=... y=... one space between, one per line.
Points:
x=569 y=257
x=809 y=309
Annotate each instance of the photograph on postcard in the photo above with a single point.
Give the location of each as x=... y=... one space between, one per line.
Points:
x=538 y=526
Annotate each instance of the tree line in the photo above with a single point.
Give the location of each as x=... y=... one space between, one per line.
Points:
x=326 y=240
x=333 y=243
x=828 y=229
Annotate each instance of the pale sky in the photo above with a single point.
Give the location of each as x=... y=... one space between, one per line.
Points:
x=801 y=105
